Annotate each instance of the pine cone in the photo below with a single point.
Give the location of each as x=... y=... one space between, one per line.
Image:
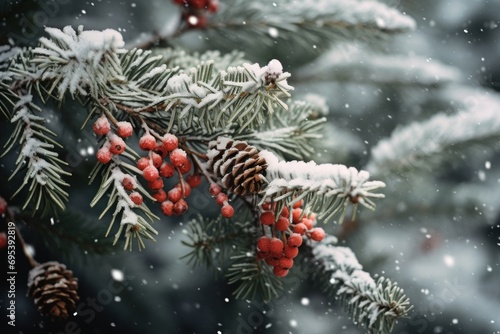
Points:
x=54 y=289
x=237 y=164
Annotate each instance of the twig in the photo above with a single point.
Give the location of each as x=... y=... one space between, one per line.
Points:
x=33 y=263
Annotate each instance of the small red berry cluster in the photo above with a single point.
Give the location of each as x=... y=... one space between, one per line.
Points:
x=155 y=167
x=114 y=144
x=3 y=236
x=280 y=252
x=195 y=11
x=227 y=209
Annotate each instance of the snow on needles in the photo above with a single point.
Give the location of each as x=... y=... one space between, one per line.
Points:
x=80 y=59
x=408 y=146
x=324 y=180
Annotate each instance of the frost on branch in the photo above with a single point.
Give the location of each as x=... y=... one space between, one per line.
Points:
x=353 y=63
x=419 y=145
x=306 y=23
x=375 y=305
x=132 y=224
x=326 y=188
x=79 y=60
x=43 y=167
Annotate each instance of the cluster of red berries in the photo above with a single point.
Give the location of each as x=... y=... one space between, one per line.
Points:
x=114 y=144
x=195 y=11
x=291 y=226
x=155 y=168
x=227 y=209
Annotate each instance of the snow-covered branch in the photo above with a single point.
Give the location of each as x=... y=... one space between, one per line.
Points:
x=307 y=23
x=353 y=63
x=375 y=305
x=420 y=144
x=326 y=188
x=43 y=166
x=79 y=60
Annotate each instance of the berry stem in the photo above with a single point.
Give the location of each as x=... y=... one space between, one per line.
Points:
x=110 y=116
x=181 y=181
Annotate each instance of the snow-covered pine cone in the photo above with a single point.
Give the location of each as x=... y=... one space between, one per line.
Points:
x=54 y=289
x=237 y=165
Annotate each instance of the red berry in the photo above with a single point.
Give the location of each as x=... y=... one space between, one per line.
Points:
x=215 y=189
x=284 y=212
x=285 y=263
x=128 y=184
x=276 y=246
x=280 y=272
x=194 y=180
x=143 y=163
x=150 y=173
x=227 y=211
x=295 y=240
x=267 y=206
x=174 y=195
x=213 y=6
x=156 y=158
x=3 y=240
x=296 y=213
x=264 y=244
x=104 y=155
x=136 y=198
x=178 y=157
x=167 y=207
x=198 y=4
x=167 y=170
x=117 y=145
x=170 y=142
x=282 y=224
x=298 y=204
x=318 y=234
x=291 y=252
x=267 y=217
x=101 y=126
x=147 y=142
x=312 y=216
x=221 y=198
x=184 y=169
x=300 y=228
x=3 y=205
x=187 y=188
x=124 y=129
x=160 y=195
x=159 y=149
x=271 y=261
x=308 y=222
x=180 y=207
x=156 y=184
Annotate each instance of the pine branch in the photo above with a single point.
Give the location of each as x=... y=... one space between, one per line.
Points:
x=79 y=60
x=184 y=60
x=132 y=223
x=306 y=23
x=72 y=234
x=352 y=63
x=289 y=132
x=253 y=278
x=374 y=305
x=7 y=96
x=212 y=241
x=326 y=189
x=426 y=144
x=43 y=167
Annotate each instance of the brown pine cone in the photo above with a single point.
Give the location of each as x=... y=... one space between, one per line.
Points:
x=54 y=289
x=237 y=165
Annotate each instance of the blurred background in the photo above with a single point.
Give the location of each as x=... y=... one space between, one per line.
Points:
x=437 y=233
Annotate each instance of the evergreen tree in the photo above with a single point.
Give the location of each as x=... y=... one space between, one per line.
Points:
x=172 y=124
